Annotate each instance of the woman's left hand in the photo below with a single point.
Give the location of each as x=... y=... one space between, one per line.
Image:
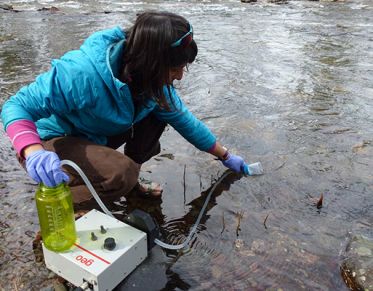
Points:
x=235 y=163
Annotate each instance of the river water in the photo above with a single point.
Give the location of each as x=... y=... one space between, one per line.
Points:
x=289 y=85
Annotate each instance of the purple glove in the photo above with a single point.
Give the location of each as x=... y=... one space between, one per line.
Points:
x=45 y=167
x=235 y=163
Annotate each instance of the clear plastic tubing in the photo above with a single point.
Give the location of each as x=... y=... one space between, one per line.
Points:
x=89 y=185
x=157 y=241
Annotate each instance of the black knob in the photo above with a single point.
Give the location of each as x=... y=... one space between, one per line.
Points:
x=109 y=243
x=93 y=236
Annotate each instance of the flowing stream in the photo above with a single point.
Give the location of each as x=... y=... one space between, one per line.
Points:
x=289 y=85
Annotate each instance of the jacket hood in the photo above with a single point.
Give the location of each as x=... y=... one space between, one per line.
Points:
x=98 y=47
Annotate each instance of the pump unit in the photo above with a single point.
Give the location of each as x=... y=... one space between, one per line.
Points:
x=107 y=250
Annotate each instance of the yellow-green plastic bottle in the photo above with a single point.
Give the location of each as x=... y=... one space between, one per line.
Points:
x=56 y=217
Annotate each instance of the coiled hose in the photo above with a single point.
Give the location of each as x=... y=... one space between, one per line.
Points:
x=157 y=241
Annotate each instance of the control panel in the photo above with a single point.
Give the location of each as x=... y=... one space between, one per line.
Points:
x=107 y=251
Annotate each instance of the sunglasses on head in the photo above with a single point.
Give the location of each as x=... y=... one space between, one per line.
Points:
x=185 y=40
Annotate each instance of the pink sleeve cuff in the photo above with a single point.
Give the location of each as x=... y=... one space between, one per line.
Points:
x=211 y=149
x=22 y=133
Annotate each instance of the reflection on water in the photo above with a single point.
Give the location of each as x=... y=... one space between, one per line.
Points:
x=287 y=85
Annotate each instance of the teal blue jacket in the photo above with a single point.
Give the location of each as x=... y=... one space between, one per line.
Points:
x=81 y=96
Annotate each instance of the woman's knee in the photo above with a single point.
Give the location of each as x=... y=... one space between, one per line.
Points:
x=107 y=169
x=122 y=176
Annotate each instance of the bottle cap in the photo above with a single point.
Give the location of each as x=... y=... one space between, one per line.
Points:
x=253 y=169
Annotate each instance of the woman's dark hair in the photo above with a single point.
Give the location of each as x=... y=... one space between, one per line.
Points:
x=148 y=54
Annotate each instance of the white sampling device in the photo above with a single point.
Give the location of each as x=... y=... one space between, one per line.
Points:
x=107 y=251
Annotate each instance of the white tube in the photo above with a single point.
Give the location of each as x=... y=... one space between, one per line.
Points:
x=157 y=241
x=194 y=228
x=89 y=185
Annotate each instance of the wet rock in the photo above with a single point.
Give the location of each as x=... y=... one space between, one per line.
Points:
x=238 y=243
x=269 y=1
x=50 y=9
x=278 y=1
x=168 y=156
x=359 y=147
x=357 y=267
x=6 y=7
x=258 y=246
x=38 y=248
x=217 y=271
x=30 y=233
x=59 y=286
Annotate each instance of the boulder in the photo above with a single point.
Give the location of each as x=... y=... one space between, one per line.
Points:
x=357 y=266
x=6 y=6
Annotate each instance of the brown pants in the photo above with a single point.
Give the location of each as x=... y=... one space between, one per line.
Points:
x=112 y=174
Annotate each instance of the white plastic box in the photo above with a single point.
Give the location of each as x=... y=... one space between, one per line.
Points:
x=88 y=261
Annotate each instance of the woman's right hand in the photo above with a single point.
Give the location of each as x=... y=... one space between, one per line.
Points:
x=45 y=167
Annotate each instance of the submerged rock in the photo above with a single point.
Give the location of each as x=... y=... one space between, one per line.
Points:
x=357 y=267
x=6 y=7
x=51 y=9
x=278 y=1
